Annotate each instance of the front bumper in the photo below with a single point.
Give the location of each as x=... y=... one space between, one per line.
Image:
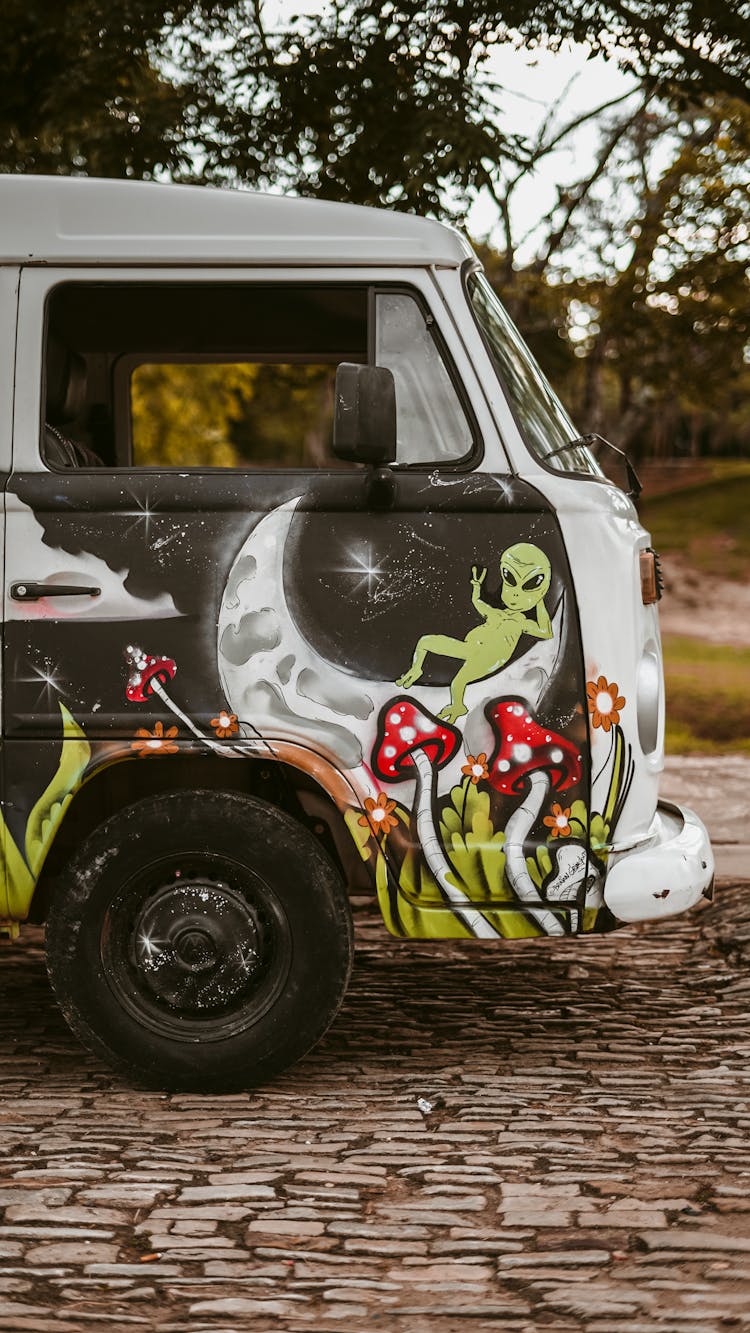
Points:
x=667 y=874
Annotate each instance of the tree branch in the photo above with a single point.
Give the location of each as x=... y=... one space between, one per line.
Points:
x=708 y=69
x=580 y=191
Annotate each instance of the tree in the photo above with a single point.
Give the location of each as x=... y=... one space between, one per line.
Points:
x=688 y=47
x=389 y=101
x=643 y=319
x=84 y=86
x=377 y=101
x=674 y=324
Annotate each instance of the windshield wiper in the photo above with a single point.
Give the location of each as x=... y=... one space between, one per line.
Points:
x=586 y=441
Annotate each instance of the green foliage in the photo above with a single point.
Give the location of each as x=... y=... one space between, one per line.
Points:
x=708 y=705
x=475 y=851
x=371 y=102
x=650 y=347
x=708 y=523
x=375 y=101
x=227 y=415
x=88 y=87
x=595 y=828
x=360 y=834
x=420 y=910
x=183 y=414
x=388 y=101
x=664 y=367
x=692 y=46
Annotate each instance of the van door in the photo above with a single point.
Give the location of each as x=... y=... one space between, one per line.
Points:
x=192 y=571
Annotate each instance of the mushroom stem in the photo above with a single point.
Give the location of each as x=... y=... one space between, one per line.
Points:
x=435 y=857
x=517 y=831
x=158 y=688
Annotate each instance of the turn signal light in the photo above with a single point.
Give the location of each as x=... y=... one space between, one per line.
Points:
x=651 y=580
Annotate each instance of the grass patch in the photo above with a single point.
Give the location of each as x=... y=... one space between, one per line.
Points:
x=707 y=523
x=708 y=696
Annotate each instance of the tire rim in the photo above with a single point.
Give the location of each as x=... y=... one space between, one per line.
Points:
x=197 y=950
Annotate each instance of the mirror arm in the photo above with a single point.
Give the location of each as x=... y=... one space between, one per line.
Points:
x=381 y=487
x=634 y=481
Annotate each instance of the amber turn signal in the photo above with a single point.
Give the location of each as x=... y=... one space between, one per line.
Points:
x=651 y=580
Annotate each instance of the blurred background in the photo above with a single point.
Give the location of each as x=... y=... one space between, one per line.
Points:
x=596 y=153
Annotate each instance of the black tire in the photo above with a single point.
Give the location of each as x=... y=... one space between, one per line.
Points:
x=200 y=941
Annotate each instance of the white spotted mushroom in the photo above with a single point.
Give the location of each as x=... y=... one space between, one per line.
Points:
x=412 y=743
x=529 y=761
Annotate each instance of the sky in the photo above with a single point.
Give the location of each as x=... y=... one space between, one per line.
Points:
x=534 y=81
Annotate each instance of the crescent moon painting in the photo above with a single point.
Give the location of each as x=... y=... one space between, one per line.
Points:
x=281 y=686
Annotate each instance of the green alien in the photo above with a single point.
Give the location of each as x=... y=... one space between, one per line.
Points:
x=526 y=574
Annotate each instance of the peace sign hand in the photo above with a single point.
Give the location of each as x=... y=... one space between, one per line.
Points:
x=477 y=579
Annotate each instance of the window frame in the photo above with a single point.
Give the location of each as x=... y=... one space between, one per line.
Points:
x=466 y=463
x=469 y=461
x=473 y=265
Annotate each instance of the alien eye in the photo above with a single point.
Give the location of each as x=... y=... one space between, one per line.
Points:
x=509 y=578
x=533 y=582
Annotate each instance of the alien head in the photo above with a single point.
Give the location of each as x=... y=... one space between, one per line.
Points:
x=526 y=576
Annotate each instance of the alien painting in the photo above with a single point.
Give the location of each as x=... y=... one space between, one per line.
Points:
x=525 y=572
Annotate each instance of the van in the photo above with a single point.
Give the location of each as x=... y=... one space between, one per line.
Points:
x=310 y=582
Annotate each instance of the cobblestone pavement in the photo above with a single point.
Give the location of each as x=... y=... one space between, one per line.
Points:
x=584 y=1161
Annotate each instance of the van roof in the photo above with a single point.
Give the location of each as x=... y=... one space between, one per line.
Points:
x=66 y=219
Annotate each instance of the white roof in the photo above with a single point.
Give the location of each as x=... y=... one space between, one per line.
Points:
x=64 y=219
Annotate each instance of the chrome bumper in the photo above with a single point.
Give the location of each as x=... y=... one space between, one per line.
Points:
x=668 y=873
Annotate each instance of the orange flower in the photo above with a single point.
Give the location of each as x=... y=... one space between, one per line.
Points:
x=605 y=702
x=157 y=741
x=379 y=817
x=476 y=768
x=558 y=822
x=225 y=724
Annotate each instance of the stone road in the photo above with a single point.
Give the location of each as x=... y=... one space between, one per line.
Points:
x=547 y=1136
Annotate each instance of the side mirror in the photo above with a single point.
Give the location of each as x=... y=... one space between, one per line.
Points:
x=364 y=422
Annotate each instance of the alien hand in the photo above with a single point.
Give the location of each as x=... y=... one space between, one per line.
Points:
x=477 y=579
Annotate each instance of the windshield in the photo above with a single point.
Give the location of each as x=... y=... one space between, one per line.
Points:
x=541 y=418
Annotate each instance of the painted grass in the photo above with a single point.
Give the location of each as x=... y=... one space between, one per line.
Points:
x=708 y=696
x=709 y=523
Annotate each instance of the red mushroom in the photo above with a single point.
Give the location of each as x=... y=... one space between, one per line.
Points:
x=527 y=761
x=405 y=729
x=147 y=674
x=412 y=743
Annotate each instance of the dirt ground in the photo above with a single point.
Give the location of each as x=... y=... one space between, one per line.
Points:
x=702 y=608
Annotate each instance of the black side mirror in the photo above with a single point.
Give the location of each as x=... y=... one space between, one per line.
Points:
x=364 y=422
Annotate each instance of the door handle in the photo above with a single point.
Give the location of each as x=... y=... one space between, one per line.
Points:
x=33 y=592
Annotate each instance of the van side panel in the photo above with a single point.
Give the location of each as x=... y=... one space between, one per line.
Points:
x=292 y=611
x=9 y=278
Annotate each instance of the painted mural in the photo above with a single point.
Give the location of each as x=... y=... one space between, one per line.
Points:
x=428 y=654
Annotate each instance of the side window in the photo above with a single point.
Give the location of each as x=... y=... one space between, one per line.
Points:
x=233 y=375
x=431 y=423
